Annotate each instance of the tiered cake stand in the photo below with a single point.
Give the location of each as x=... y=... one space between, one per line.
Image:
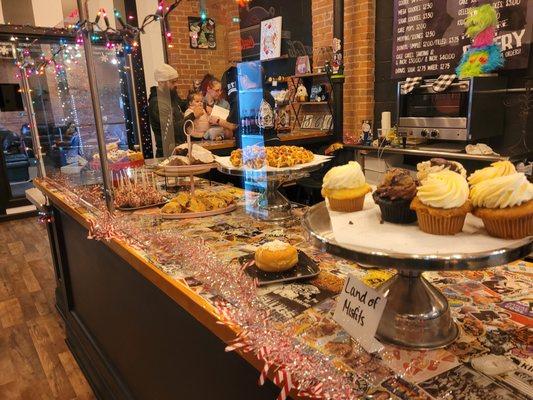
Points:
x=417 y=315
x=270 y=205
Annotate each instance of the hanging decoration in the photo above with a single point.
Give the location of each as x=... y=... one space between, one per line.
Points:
x=483 y=56
x=123 y=39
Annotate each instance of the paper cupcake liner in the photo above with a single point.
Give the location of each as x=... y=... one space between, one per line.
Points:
x=512 y=228
x=346 y=205
x=437 y=225
x=396 y=211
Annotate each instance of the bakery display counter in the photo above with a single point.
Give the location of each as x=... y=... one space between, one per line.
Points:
x=151 y=304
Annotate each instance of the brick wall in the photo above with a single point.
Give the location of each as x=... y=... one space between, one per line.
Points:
x=358 y=56
x=359 y=53
x=195 y=63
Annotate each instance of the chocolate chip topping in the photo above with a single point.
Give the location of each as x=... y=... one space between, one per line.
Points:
x=397 y=184
x=441 y=162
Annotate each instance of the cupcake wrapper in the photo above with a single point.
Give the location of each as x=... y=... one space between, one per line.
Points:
x=440 y=225
x=396 y=211
x=346 y=205
x=514 y=228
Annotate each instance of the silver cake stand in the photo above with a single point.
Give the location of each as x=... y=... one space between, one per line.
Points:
x=270 y=205
x=417 y=314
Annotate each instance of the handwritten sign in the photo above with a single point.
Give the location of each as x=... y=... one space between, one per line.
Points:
x=359 y=310
x=428 y=35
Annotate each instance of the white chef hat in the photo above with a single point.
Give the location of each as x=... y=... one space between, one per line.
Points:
x=165 y=73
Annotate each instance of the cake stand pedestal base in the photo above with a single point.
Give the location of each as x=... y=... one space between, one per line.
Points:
x=417 y=314
x=271 y=205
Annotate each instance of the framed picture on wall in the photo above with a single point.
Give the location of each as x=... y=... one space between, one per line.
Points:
x=7 y=50
x=303 y=66
x=270 y=38
x=202 y=33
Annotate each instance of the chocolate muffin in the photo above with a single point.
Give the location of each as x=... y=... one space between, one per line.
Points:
x=394 y=196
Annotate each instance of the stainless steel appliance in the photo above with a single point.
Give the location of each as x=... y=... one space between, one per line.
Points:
x=469 y=110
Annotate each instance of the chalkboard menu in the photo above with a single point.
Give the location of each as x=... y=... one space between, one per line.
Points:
x=429 y=34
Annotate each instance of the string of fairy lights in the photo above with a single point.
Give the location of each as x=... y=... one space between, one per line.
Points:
x=116 y=42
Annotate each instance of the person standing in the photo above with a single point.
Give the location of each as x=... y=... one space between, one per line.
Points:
x=214 y=95
x=165 y=111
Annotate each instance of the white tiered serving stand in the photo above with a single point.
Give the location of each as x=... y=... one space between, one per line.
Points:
x=417 y=314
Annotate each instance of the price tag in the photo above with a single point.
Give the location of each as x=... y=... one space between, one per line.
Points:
x=359 y=310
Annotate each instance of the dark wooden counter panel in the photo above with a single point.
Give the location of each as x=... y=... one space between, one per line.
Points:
x=136 y=333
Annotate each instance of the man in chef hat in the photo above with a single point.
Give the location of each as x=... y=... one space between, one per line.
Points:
x=165 y=111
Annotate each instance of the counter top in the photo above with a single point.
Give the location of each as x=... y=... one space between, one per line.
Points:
x=303 y=311
x=415 y=151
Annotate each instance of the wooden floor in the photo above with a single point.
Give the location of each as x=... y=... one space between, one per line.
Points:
x=35 y=362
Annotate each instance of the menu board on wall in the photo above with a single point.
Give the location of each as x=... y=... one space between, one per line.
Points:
x=428 y=36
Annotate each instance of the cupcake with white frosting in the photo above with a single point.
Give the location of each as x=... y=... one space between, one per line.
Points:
x=505 y=204
x=441 y=203
x=345 y=187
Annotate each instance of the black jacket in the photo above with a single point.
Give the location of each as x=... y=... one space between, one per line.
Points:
x=166 y=119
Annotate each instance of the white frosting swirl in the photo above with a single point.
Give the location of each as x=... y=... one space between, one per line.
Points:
x=502 y=192
x=445 y=189
x=349 y=176
x=499 y=168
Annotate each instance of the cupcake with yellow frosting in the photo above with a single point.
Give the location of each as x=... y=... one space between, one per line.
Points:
x=505 y=204
x=441 y=203
x=345 y=187
x=497 y=169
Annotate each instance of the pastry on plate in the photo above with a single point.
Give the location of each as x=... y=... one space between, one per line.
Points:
x=345 y=187
x=394 y=196
x=436 y=165
x=499 y=168
x=505 y=204
x=276 y=256
x=199 y=154
x=201 y=201
x=257 y=157
x=441 y=203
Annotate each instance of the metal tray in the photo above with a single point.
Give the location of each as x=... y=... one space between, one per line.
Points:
x=202 y=214
x=143 y=207
x=305 y=269
x=317 y=224
x=184 y=170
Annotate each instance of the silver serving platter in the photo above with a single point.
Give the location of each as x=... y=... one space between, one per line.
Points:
x=317 y=224
x=417 y=314
x=263 y=174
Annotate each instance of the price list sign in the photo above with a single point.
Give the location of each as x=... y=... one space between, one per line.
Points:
x=429 y=34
